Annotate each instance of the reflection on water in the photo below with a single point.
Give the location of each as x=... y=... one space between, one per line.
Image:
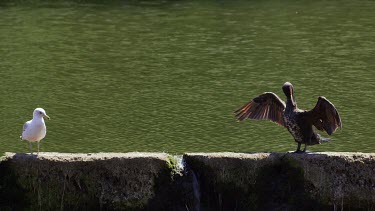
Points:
x=167 y=77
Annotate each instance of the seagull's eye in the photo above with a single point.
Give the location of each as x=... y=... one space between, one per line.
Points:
x=40 y=112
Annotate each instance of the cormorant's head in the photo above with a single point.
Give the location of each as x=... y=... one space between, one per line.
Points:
x=289 y=91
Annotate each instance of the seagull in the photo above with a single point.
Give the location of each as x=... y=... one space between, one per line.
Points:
x=268 y=106
x=35 y=129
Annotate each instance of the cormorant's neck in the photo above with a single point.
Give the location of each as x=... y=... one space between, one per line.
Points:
x=291 y=103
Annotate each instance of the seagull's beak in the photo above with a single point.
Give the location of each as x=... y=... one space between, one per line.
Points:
x=45 y=115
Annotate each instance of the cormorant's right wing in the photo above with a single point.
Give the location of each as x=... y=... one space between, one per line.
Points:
x=267 y=106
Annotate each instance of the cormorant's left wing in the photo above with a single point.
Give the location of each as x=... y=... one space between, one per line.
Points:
x=267 y=106
x=325 y=117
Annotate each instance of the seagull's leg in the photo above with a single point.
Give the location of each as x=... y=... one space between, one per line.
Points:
x=31 y=148
x=37 y=155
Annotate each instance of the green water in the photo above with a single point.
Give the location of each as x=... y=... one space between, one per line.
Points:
x=166 y=76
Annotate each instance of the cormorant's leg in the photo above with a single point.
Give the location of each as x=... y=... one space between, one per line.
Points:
x=31 y=148
x=298 y=148
x=304 y=149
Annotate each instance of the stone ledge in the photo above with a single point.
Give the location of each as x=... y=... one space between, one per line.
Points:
x=115 y=181
x=73 y=157
x=210 y=181
x=273 y=181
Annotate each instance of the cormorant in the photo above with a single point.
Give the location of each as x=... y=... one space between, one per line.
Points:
x=268 y=106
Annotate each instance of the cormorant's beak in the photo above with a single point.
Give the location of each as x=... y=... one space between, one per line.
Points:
x=45 y=115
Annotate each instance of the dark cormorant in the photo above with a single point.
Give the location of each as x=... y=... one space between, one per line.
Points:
x=268 y=106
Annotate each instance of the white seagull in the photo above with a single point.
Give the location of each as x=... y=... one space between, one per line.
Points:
x=35 y=129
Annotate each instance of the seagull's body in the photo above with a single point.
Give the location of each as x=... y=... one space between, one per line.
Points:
x=268 y=106
x=35 y=130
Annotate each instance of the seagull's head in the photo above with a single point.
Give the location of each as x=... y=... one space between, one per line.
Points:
x=40 y=113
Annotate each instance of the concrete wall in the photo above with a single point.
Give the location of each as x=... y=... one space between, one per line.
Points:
x=264 y=181
x=107 y=181
x=209 y=181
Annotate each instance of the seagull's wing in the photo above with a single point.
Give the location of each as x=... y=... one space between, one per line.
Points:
x=325 y=117
x=25 y=127
x=267 y=106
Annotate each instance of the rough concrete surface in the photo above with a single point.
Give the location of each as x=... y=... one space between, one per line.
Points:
x=109 y=181
x=208 y=181
x=279 y=181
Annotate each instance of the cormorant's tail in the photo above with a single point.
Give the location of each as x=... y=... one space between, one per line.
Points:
x=323 y=139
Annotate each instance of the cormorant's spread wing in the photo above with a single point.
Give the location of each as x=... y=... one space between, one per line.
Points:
x=267 y=106
x=325 y=116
